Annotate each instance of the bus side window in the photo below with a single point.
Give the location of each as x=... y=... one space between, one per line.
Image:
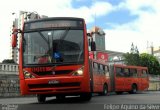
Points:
x=119 y=72
x=144 y=73
x=126 y=72
x=95 y=67
x=106 y=69
x=101 y=69
x=133 y=72
x=139 y=73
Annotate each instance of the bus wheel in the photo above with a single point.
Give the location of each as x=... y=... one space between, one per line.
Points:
x=105 y=90
x=60 y=97
x=134 y=89
x=86 y=96
x=41 y=98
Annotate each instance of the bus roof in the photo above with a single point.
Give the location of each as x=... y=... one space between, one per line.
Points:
x=55 y=18
x=129 y=66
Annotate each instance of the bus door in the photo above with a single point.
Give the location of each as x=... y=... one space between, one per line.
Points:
x=96 y=76
x=102 y=77
x=119 y=79
x=91 y=74
x=112 y=77
x=140 y=79
x=107 y=76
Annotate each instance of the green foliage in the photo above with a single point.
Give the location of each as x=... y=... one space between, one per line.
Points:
x=144 y=59
x=8 y=61
x=151 y=62
x=132 y=59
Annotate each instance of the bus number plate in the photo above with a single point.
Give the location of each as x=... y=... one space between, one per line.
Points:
x=53 y=82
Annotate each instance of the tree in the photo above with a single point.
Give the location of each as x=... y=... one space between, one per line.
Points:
x=144 y=59
x=8 y=61
x=151 y=62
x=132 y=48
x=132 y=58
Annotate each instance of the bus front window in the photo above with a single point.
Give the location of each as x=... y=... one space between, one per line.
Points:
x=53 y=46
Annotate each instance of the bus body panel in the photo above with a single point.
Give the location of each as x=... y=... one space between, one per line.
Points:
x=124 y=83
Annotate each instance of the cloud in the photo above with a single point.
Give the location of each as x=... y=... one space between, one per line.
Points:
x=144 y=28
x=48 y=7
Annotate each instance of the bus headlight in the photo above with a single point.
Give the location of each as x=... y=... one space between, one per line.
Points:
x=78 y=72
x=28 y=75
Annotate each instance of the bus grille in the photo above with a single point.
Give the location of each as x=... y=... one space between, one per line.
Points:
x=73 y=84
x=58 y=72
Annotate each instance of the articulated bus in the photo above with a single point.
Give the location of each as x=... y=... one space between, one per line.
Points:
x=54 y=58
x=130 y=79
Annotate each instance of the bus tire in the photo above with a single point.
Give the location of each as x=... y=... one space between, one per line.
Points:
x=41 y=98
x=86 y=96
x=134 y=89
x=105 y=90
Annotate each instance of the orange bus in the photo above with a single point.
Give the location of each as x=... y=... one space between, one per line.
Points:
x=54 y=58
x=128 y=78
x=101 y=79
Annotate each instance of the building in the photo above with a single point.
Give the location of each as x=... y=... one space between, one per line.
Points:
x=155 y=51
x=7 y=68
x=13 y=51
x=98 y=36
x=18 y=23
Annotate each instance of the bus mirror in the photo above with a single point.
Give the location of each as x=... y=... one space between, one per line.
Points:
x=14 y=38
x=93 y=46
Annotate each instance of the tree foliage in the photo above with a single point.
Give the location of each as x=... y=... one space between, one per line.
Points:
x=132 y=58
x=151 y=62
x=144 y=59
x=8 y=61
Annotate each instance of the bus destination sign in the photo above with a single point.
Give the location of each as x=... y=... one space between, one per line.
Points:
x=53 y=24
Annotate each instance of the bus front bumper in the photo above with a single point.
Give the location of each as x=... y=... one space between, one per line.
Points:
x=54 y=86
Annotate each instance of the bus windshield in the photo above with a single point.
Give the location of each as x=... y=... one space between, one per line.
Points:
x=53 y=46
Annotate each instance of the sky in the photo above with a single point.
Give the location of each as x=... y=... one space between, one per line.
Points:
x=124 y=21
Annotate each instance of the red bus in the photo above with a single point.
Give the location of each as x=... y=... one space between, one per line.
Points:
x=101 y=78
x=54 y=58
x=128 y=78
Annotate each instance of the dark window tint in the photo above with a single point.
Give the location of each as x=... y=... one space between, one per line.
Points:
x=101 y=69
x=126 y=72
x=119 y=72
x=133 y=72
x=106 y=70
x=144 y=73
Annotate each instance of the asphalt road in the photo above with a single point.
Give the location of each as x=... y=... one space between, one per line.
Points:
x=97 y=102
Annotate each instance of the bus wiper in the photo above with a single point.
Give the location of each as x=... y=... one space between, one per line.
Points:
x=63 y=36
x=43 y=36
